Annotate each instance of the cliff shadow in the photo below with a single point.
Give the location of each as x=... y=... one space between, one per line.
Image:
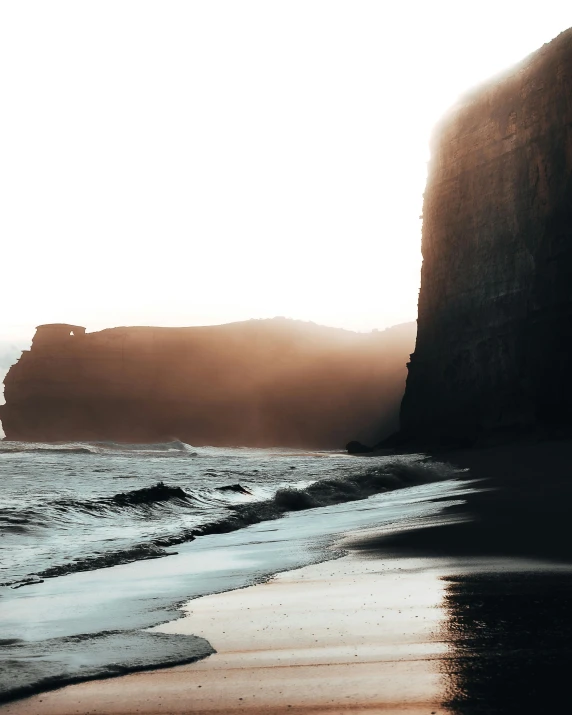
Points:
x=521 y=510
x=510 y=639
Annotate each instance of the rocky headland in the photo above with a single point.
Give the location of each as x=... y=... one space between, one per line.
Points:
x=494 y=343
x=257 y=383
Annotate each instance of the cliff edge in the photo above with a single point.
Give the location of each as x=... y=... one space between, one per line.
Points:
x=494 y=342
x=257 y=383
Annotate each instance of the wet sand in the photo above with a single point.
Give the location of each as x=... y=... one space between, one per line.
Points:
x=361 y=634
x=350 y=635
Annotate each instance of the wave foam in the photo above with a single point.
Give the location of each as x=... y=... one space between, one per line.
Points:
x=140 y=552
x=390 y=475
x=146 y=496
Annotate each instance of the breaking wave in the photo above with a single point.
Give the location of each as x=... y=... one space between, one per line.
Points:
x=147 y=496
x=163 y=448
x=391 y=475
x=326 y=492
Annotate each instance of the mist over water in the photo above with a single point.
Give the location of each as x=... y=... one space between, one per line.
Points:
x=9 y=353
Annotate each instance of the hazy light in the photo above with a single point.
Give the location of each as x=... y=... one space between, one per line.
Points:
x=183 y=163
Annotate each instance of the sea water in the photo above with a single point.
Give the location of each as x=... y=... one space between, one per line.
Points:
x=102 y=541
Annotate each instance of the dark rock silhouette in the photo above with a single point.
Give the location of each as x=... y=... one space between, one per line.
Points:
x=355 y=447
x=494 y=341
x=258 y=383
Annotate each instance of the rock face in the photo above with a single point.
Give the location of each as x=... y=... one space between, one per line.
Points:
x=258 y=383
x=494 y=341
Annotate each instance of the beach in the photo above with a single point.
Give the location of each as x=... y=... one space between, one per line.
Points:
x=346 y=634
x=285 y=395
x=465 y=608
x=358 y=634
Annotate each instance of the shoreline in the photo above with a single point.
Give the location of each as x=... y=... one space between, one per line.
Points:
x=363 y=633
x=279 y=651
x=520 y=509
x=485 y=551
x=60 y=630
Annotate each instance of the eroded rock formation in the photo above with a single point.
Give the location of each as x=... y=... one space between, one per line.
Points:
x=258 y=383
x=494 y=342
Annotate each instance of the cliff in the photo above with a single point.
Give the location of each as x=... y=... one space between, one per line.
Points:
x=494 y=342
x=256 y=383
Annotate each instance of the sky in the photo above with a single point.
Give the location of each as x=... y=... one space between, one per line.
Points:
x=200 y=162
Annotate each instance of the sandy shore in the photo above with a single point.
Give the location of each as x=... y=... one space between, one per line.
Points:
x=350 y=635
x=361 y=634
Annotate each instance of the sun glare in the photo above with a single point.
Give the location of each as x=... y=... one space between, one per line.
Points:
x=190 y=163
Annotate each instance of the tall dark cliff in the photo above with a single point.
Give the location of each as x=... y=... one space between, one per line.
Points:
x=258 y=383
x=494 y=341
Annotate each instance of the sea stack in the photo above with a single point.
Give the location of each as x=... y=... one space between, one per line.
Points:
x=494 y=342
x=258 y=383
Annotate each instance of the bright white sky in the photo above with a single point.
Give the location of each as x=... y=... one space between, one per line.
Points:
x=180 y=163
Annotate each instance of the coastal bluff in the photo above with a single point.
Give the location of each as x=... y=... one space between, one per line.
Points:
x=494 y=342
x=275 y=382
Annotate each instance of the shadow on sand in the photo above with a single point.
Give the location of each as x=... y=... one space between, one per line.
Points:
x=511 y=643
x=509 y=629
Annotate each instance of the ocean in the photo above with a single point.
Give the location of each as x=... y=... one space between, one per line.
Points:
x=101 y=541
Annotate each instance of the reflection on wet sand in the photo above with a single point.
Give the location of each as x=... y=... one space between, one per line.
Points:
x=506 y=562
x=510 y=636
x=361 y=634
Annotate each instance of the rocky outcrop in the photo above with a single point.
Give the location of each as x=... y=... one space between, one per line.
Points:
x=494 y=342
x=355 y=447
x=257 y=383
